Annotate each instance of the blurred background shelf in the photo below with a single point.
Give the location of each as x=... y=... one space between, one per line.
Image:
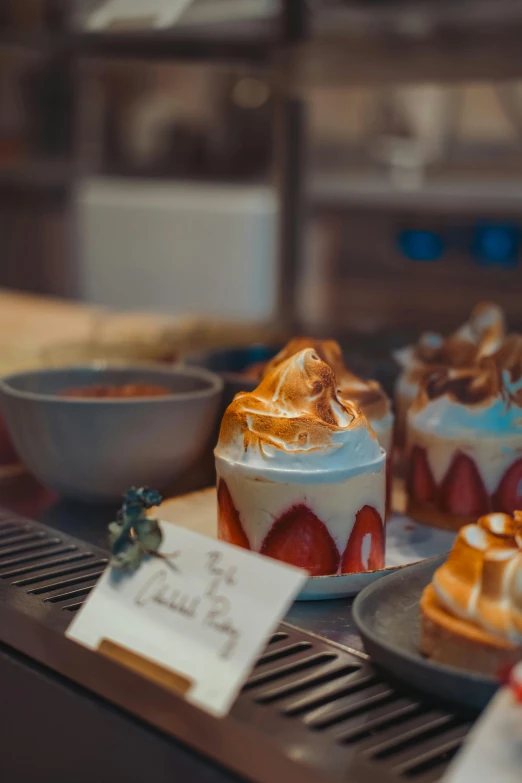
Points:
x=379 y=143
x=463 y=195
x=385 y=41
x=40 y=175
x=218 y=30
x=339 y=40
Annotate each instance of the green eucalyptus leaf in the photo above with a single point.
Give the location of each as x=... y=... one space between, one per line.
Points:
x=115 y=529
x=129 y=559
x=133 y=534
x=151 y=542
x=145 y=525
x=150 y=535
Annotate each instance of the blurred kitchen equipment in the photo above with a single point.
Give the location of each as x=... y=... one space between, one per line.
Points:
x=432 y=147
x=183 y=121
x=422 y=118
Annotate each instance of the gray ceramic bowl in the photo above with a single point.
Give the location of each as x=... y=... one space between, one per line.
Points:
x=95 y=449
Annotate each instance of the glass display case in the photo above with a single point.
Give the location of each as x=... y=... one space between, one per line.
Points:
x=363 y=159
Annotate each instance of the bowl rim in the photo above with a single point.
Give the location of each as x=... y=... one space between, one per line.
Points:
x=214 y=381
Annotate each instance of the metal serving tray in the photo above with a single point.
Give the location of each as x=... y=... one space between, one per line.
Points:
x=310 y=711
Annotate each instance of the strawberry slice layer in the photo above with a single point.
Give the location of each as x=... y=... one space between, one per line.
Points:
x=462 y=491
x=421 y=484
x=389 y=480
x=365 y=548
x=229 y=523
x=299 y=538
x=508 y=497
x=8 y=455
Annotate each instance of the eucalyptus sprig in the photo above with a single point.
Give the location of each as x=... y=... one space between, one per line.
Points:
x=134 y=535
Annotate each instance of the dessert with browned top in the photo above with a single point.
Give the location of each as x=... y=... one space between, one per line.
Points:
x=464 y=440
x=367 y=394
x=300 y=472
x=481 y=336
x=471 y=613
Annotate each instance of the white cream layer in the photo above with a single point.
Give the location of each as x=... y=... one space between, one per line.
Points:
x=493 y=418
x=491 y=434
x=492 y=455
x=383 y=429
x=350 y=453
x=260 y=502
x=404 y=395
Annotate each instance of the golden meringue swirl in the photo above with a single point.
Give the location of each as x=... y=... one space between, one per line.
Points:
x=295 y=421
x=481 y=336
x=489 y=394
x=481 y=581
x=367 y=394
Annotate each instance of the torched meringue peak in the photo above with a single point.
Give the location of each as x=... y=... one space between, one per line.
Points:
x=328 y=351
x=480 y=336
x=485 y=329
x=481 y=581
x=503 y=529
x=295 y=421
x=367 y=394
x=486 y=396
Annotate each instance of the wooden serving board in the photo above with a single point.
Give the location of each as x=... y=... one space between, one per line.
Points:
x=196 y=511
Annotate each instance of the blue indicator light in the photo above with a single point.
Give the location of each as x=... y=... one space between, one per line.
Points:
x=496 y=245
x=420 y=245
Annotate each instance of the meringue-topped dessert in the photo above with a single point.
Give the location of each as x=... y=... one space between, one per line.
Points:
x=367 y=394
x=472 y=611
x=464 y=441
x=481 y=336
x=300 y=473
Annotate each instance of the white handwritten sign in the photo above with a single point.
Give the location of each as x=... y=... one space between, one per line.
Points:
x=205 y=612
x=493 y=749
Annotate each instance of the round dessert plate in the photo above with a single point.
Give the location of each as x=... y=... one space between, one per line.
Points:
x=406 y=543
x=387 y=616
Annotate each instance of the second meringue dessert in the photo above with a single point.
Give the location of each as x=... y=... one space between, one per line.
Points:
x=464 y=441
x=481 y=336
x=300 y=473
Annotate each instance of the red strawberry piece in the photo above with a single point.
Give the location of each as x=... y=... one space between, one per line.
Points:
x=389 y=479
x=421 y=484
x=229 y=523
x=508 y=497
x=462 y=491
x=8 y=455
x=506 y=676
x=365 y=548
x=516 y=687
x=299 y=538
